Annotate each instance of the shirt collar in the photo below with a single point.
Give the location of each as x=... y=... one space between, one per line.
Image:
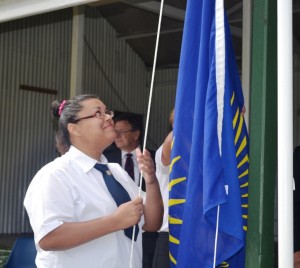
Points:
x=83 y=160
x=124 y=153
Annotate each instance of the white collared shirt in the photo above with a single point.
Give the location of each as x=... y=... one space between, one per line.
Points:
x=135 y=165
x=163 y=174
x=70 y=189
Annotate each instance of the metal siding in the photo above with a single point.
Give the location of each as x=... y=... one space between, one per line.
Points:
x=34 y=51
x=112 y=69
x=163 y=102
x=115 y=72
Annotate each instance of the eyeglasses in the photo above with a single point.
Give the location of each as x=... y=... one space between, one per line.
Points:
x=121 y=132
x=98 y=115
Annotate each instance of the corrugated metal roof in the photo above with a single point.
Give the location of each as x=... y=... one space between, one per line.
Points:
x=136 y=22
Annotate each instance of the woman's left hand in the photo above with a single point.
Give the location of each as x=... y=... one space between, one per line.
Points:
x=146 y=165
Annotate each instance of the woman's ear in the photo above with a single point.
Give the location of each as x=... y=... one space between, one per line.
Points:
x=73 y=129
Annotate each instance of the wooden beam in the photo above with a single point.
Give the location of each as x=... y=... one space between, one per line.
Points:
x=13 y=9
x=38 y=89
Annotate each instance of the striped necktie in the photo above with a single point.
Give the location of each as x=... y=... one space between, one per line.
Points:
x=129 y=167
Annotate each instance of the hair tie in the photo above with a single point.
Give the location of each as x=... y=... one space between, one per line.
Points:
x=61 y=107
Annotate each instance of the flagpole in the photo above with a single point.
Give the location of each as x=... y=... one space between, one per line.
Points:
x=216 y=236
x=285 y=134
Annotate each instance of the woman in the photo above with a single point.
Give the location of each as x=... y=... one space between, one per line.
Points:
x=75 y=219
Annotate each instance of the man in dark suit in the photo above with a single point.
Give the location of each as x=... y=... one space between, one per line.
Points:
x=129 y=129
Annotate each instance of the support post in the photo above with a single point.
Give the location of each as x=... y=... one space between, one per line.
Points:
x=263 y=129
x=77 y=51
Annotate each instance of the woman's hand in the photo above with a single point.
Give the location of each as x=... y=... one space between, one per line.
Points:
x=130 y=213
x=146 y=166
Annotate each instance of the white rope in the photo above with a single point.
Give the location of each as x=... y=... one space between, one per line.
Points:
x=148 y=114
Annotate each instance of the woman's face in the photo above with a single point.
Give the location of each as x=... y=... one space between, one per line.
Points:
x=97 y=131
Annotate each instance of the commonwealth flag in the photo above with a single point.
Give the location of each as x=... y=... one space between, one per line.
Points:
x=209 y=168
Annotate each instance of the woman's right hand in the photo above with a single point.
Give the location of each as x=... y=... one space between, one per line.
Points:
x=130 y=213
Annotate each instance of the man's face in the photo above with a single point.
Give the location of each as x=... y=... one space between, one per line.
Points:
x=127 y=139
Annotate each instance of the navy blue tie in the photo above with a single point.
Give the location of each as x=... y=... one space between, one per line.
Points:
x=118 y=193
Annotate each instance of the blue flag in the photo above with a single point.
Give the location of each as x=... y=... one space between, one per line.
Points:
x=208 y=203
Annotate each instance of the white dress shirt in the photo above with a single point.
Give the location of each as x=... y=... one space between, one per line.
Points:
x=70 y=189
x=163 y=174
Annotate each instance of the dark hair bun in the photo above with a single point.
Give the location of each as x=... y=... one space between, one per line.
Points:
x=55 y=108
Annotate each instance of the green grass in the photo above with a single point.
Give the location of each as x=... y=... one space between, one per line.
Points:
x=4 y=253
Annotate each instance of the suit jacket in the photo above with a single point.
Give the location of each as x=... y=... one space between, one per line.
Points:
x=113 y=154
